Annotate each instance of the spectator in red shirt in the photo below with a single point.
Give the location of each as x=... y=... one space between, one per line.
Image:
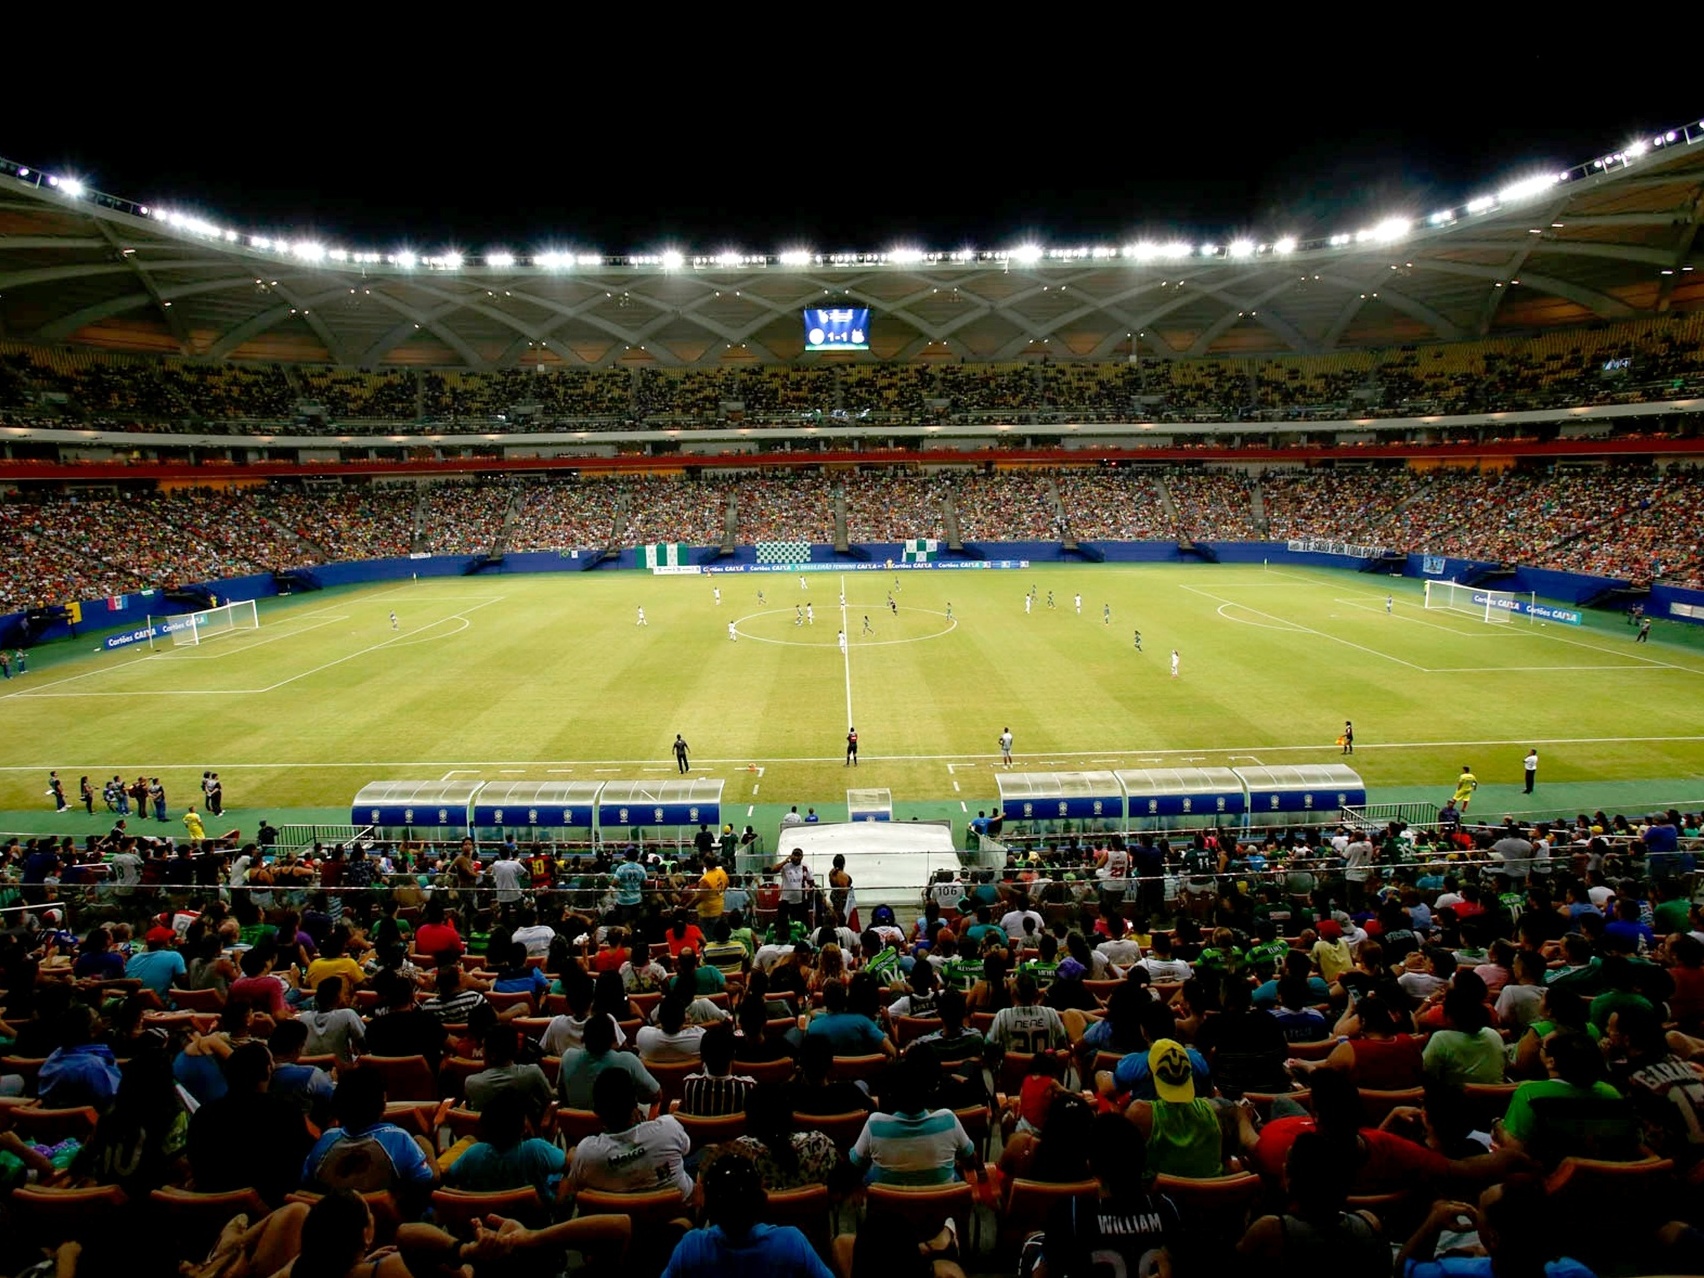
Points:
x=683 y=934
x=437 y=933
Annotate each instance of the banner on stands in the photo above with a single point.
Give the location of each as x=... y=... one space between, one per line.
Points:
x=1527 y=608
x=128 y=637
x=1325 y=546
x=887 y=566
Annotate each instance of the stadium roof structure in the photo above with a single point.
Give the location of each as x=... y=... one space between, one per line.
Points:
x=1613 y=238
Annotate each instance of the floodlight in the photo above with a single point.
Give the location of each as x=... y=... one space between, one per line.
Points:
x=451 y=261
x=404 y=259
x=1526 y=188
x=1392 y=228
x=673 y=260
x=1636 y=149
x=1482 y=203
x=1339 y=240
x=1177 y=248
x=1027 y=254
x=1208 y=250
x=1285 y=245
x=1144 y=251
x=72 y=187
x=585 y=259
x=1242 y=248
x=905 y=256
x=307 y=250
x=1442 y=217
x=796 y=257
x=501 y=260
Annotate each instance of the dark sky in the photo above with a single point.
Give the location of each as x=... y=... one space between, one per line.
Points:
x=939 y=144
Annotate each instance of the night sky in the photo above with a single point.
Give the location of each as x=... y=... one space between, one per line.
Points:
x=941 y=147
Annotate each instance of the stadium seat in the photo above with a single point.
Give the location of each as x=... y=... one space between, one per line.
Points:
x=923 y=1209
x=777 y=1071
x=50 y=1215
x=198 y=1000
x=1028 y=1203
x=50 y=1126
x=907 y=1029
x=453 y=1073
x=671 y=1076
x=193 y=1220
x=842 y=1129
x=457 y=1209
x=806 y=1209
x=574 y=1125
x=407 y=1078
x=1377 y=1104
x=703 y=1132
x=26 y=1067
x=860 y=1069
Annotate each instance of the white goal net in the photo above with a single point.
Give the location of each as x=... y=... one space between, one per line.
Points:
x=210 y=623
x=1494 y=607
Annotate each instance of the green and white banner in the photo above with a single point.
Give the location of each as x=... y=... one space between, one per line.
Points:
x=920 y=550
x=663 y=554
x=783 y=552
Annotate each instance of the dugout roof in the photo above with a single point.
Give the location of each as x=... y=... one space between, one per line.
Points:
x=1614 y=238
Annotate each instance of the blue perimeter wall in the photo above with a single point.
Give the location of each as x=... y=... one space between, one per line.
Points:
x=1562 y=587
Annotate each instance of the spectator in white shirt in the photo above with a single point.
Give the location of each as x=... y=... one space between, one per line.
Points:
x=671 y=1039
x=534 y=935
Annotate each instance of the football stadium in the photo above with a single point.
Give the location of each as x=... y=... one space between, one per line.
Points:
x=1053 y=759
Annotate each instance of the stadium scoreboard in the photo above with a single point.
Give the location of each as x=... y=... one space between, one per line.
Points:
x=837 y=328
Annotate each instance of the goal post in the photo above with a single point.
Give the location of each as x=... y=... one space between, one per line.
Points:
x=210 y=623
x=1494 y=607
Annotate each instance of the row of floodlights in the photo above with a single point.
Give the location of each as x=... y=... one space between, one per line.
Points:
x=1388 y=231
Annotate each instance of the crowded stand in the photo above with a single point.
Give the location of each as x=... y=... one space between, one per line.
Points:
x=346 y=521
x=1007 y=506
x=1118 y=505
x=1630 y=362
x=1213 y=505
x=465 y=519
x=566 y=516
x=1625 y=521
x=664 y=508
x=1429 y=1047
x=1346 y=504
x=896 y=506
x=794 y=507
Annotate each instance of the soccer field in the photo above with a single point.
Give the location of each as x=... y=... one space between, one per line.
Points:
x=550 y=677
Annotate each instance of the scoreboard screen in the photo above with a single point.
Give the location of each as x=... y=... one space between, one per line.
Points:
x=840 y=328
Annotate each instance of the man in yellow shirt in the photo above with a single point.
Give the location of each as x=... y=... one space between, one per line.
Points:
x=711 y=885
x=1466 y=784
x=192 y=823
x=332 y=961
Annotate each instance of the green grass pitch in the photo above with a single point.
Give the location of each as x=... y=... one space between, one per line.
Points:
x=549 y=677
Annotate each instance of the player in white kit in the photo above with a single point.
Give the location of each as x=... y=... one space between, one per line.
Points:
x=1174 y=663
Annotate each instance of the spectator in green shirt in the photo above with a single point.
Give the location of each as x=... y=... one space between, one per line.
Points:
x=1574 y=1111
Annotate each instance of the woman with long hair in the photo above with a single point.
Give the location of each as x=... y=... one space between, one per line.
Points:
x=786 y=1158
x=138 y=1144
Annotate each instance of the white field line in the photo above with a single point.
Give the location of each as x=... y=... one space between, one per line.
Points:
x=1525 y=631
x=192 y=652
x=404 y=639
x=1141 y=757
x=1372 y=652
x=846 y=652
